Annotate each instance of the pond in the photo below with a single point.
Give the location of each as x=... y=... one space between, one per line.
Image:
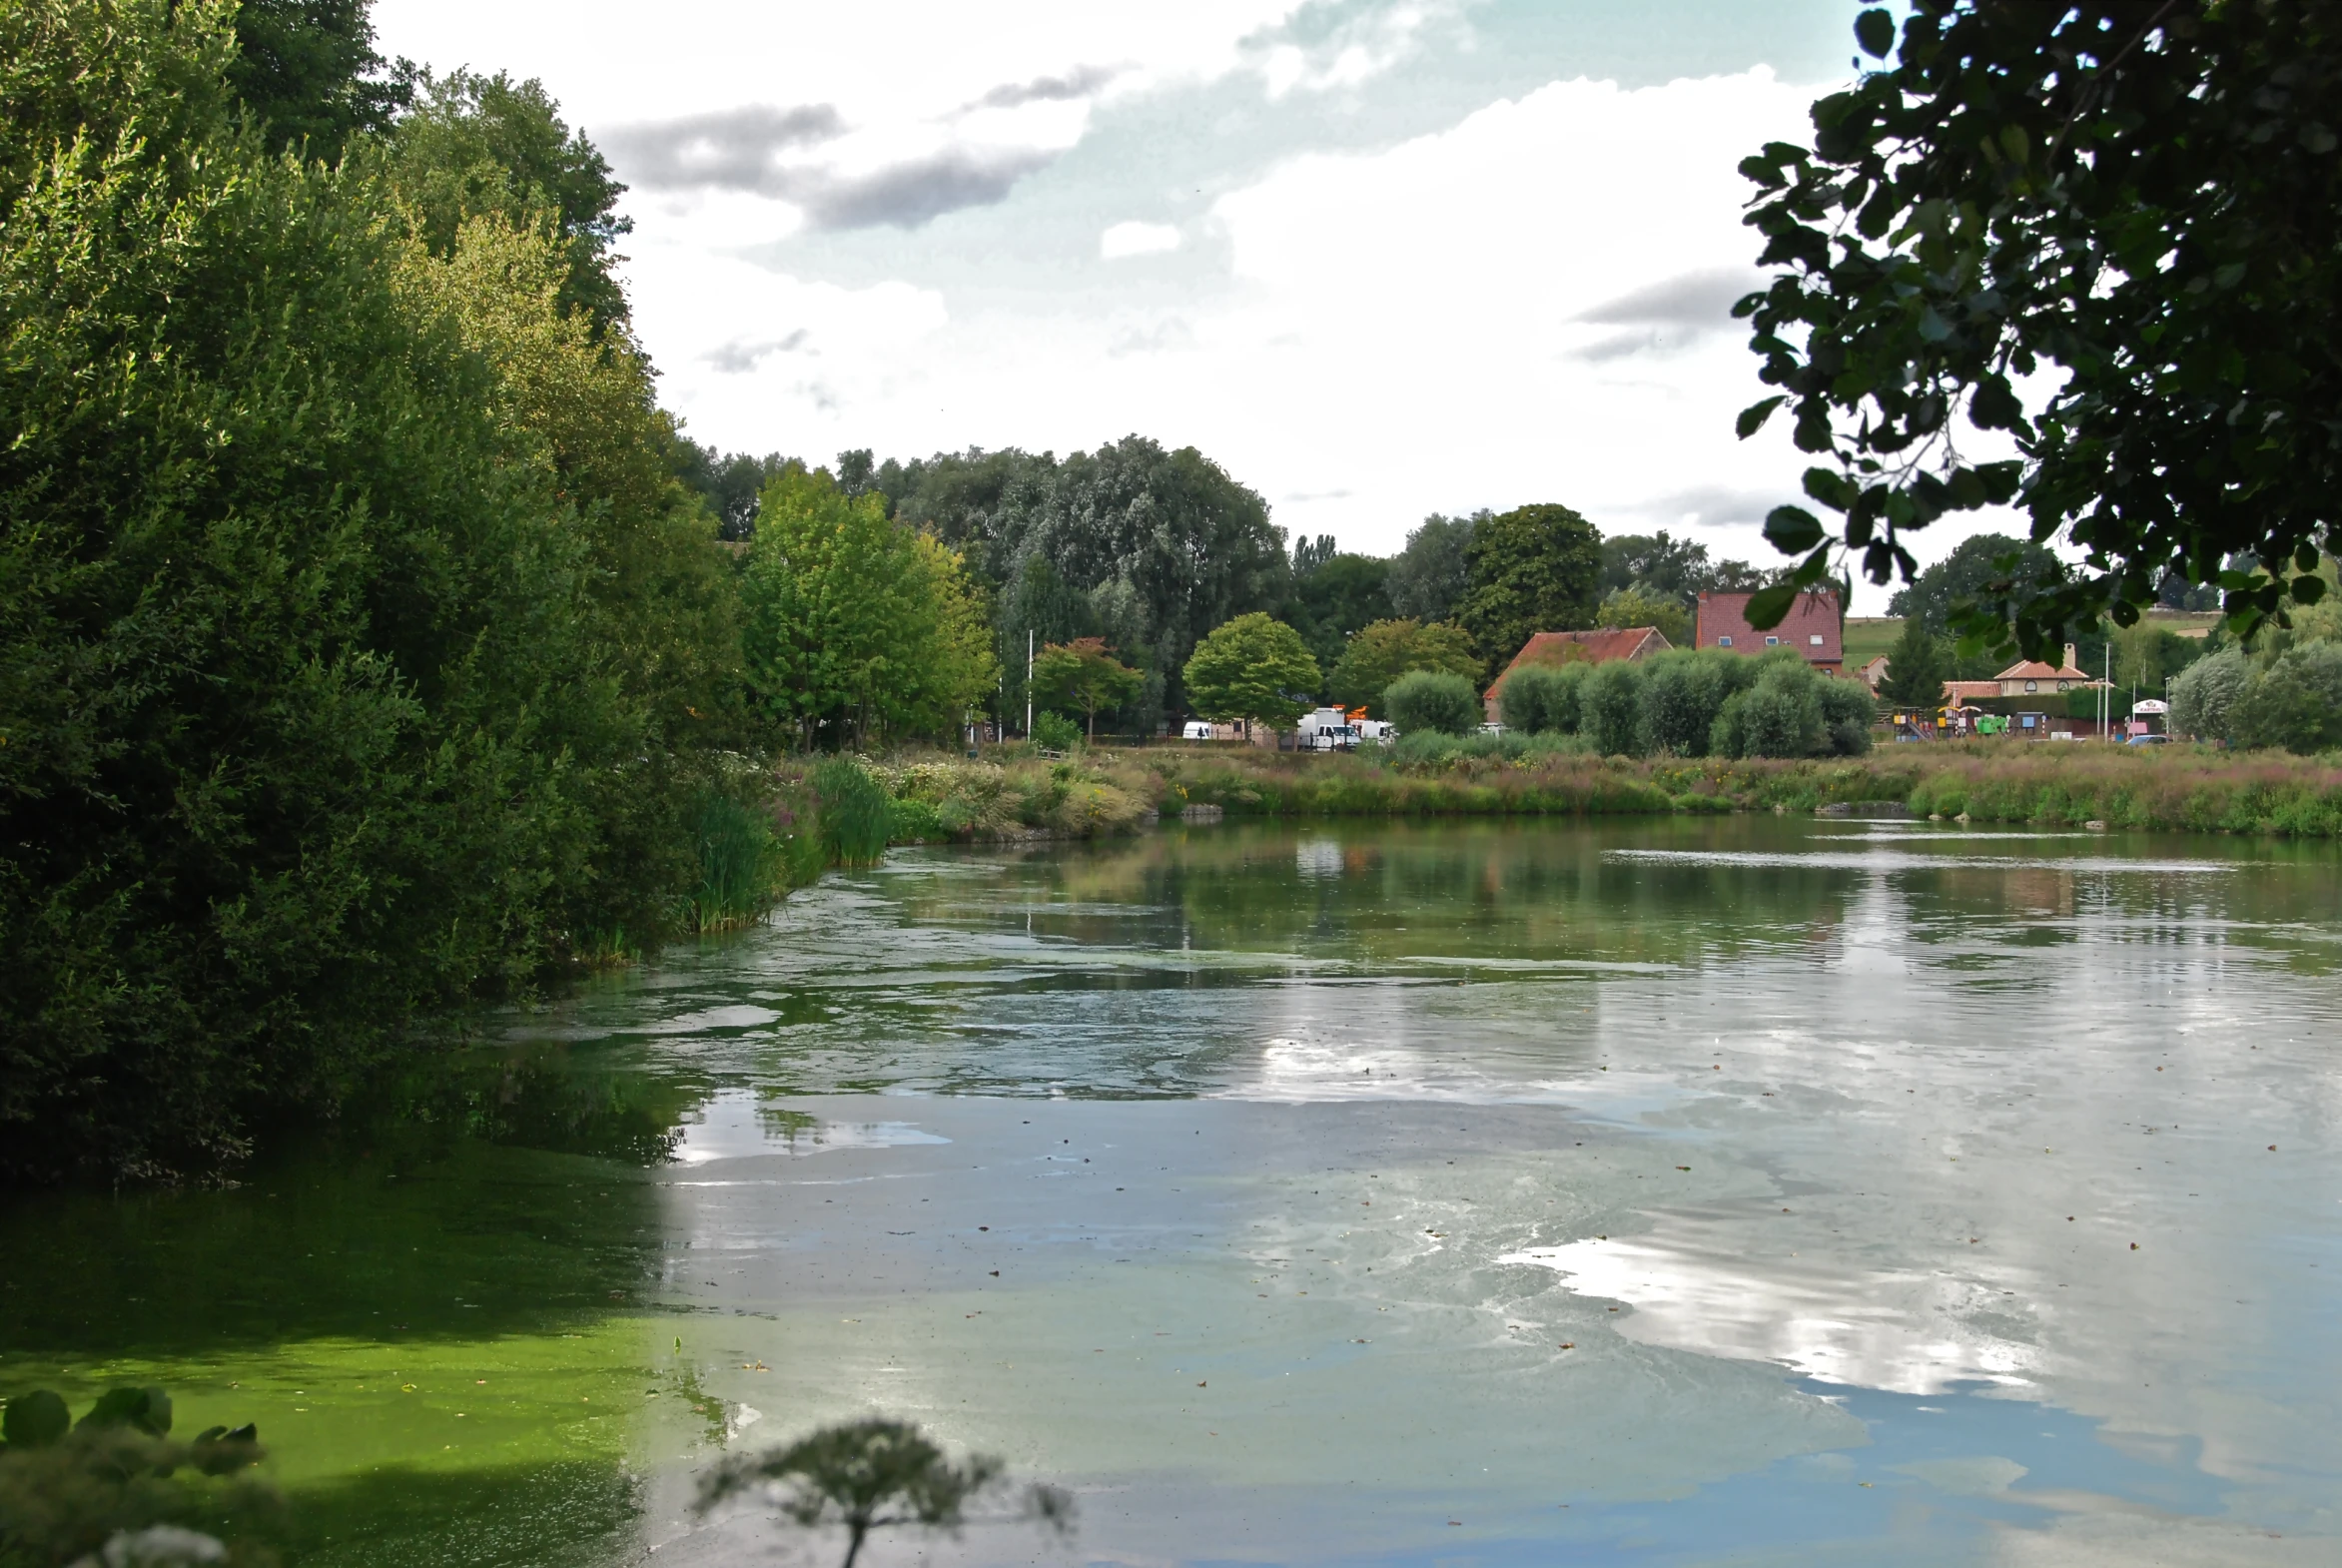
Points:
x=1686 y=1190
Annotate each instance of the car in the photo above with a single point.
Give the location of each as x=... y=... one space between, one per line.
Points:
x=2148 y=740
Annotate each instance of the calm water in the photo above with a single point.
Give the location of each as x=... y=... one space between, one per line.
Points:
x=1738 y=1190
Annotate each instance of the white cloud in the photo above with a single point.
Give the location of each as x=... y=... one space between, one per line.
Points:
x=1138 y=238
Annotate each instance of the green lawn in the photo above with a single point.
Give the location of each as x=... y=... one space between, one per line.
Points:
x=1868 y=636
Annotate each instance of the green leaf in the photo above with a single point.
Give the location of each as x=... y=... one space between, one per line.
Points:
x=1752 y=418
x=2308 y=591
x=1829 y=487
x=1793 y=530
x=35 y=1420
x=1874 y=31
x=1767 y=608
x=2016 y=143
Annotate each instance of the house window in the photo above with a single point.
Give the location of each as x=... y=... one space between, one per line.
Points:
x=1769 y=641
x=2033 y=685
x=1815 y=640
x=2062 y=685
x=1724 y=642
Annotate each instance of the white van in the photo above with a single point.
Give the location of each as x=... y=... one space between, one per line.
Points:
x=1329 y=729
x=1196 y=729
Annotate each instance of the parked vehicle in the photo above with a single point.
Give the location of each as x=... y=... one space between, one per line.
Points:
x=1196 y=729
x=2148 y=740
x=1329 y=729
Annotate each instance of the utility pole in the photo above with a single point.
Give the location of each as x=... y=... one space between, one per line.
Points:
x=1028 y=683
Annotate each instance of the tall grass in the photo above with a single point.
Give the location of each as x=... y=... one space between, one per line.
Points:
x=742 y=866
x=853 y=810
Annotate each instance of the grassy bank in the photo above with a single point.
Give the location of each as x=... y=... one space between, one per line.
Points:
x=1112 y=791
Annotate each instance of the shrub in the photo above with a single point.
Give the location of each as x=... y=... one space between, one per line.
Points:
x=1682 y=694
x=2296 y=703
x=1055 y=732
x=1848 y=712
x=1430 y=700
x=1540 y=699
x=2202 y=694
x=1611 y=708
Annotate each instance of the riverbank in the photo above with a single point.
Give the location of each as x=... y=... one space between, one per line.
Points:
x=1108 y=790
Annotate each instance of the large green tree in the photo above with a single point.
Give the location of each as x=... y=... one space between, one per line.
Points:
x=307 y=69
x=1252 y=667
x=1381 y=653
x=1534 y=568
x=2136 y=208
x=350 y=632
x=1083 y=675
x=1429 y=578
x=2016 y=569
x=1335 y=598
x=1918 y=665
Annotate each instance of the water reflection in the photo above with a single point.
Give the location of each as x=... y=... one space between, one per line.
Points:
x=1719 y=1189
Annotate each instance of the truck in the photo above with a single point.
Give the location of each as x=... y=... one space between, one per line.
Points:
x=1328 y=729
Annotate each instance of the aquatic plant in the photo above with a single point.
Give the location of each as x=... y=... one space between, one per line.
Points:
x=853 y=811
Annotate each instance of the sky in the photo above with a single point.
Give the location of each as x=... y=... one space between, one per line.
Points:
x=1376 y=258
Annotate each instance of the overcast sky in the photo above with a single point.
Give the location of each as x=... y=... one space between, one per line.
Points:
x=1378 y=258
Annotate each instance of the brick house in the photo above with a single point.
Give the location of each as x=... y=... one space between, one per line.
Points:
x=1812 y=626
x=1554 y=648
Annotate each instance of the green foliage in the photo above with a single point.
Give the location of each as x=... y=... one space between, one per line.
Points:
x=1542 y=699
x=1337 y=596
x=1683 y=693
x=1253 y=668
x=1982 y=566
x=856 y=626
x=1848 y=712
x=855 y=816
x=1055 y=732
x=116 y=1482
x=1794 y=711
x=1636 y=607
x=1434 y=701
x=1535 y=568
x=2140 y=207
x=2203 y=695
x=1083 y=674
x=1383 y=651
x=876 y=1474
x=308 y=70
x=1610 y=708
x=743 y=869
x=346 y=669
x=1430 y=578
x=1918 y=665
x=2295 y=704
x=485 y=145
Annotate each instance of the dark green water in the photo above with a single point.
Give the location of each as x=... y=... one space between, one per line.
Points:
x=1744 y=1190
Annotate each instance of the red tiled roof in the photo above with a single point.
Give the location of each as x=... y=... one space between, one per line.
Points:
x=1812 y=615
x=1591 y=647
x=2035 y=669
x=1962 y=690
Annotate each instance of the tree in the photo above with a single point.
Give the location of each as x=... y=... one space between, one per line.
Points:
x=2023 y=569
x=1918 y=665
x=1654 y=563
x=2204 y=693
x=1432 y=702
x=1542 y=699
x=1383 y=651
x=1610 y=708
x=1253 y=668
x=1534 y=568
x=307 y=69
x=1684 y=691
x=1637 y=607
x=855 y=625
x=1084 y=675
x=1429 y=578
x=877 y=1474
x=2296 y=703
x=2139 y=204
x=475 y=145
x=1336 y=596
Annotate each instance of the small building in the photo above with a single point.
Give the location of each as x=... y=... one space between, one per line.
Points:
x=2030 y=678
x=1812 y=626
x=1556 y=648
x=1873 y=673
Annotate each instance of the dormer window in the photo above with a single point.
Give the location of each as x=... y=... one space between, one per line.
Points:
x=1724 y=642
x=1772 y=641
x=1815 y=640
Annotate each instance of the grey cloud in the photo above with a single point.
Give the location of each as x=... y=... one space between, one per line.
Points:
x=739 y=357
x=730 y=149
x=1710 y=505
x=913 y=192
x=1080 y=81
x=1619 y=346
x=1701 y=300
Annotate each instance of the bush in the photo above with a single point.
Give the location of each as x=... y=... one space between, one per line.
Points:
x=1427 y=700
x=2296 y=703
x=1542 y=699
x=1055 y=732
x=1611 y=709
x=2203 y=693
x=1848 y=712
x=1682 y=694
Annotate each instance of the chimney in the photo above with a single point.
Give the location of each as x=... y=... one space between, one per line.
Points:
x=2068 y=659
